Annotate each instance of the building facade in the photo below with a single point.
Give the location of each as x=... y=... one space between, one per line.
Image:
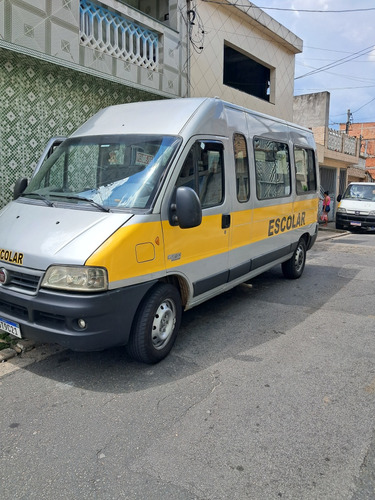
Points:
x=366 y=133
x=242 y=55
x=338 y=153
x=63 y=60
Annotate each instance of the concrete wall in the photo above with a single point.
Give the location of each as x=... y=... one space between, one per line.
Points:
x=312 y=110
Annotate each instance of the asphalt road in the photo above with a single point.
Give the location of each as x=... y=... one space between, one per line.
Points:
x=269 y=393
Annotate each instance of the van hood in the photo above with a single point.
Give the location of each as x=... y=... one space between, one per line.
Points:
x=36 y=236
x=352 y=206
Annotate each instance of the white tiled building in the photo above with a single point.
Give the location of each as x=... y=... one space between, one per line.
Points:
x=62 y=60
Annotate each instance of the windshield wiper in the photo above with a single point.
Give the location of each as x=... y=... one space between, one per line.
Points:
x=41 y=197
x=82 y=198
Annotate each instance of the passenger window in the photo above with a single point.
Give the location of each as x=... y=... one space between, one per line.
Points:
x=272 y=169
x=304 y=160
x=203 y=171
x=241 y=163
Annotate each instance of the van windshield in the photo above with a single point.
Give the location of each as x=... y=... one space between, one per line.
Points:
x=121 y=171
x=360 y=192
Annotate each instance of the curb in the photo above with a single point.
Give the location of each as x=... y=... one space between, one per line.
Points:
x=19 y=348
x=327 y=233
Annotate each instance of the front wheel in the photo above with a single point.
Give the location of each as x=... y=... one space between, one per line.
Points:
x=293 y=268
x=157 y=322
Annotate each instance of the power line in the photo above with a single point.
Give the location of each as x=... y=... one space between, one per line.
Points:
x=343 y=60
x=250 y=5
x=315 y=11
x=353 y=77
x=367 y=103
x=330 y=89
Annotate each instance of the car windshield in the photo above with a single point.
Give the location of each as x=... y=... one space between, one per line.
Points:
x=360 y=192
x=104 y=171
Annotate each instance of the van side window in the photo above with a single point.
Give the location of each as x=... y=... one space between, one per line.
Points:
x=272 y=169
x=203 y=171
x=304 y=160
x=241 y=163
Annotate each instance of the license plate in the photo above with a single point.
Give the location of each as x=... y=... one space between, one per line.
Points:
x=10 y=327
x=355 y=224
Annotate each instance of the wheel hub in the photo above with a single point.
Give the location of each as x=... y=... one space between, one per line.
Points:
x=163 y=324
x=299 y=258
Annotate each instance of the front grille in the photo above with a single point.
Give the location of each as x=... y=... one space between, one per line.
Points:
x=23 y=282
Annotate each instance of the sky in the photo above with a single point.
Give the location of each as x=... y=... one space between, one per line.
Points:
x=331 y=39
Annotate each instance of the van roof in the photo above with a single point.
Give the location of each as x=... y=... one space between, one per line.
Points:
x=167 y=117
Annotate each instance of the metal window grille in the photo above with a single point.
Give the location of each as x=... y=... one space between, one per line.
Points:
x=112 y=34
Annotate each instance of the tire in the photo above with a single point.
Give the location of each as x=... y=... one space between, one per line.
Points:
x=156 y=325
x=293 y=268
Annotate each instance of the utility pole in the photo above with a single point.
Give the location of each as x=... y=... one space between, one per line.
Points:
x=348 y=121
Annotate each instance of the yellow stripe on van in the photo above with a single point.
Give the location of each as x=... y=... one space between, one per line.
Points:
x=133 y=250
x=196 y=243
x=137 y=250
x=250 y=226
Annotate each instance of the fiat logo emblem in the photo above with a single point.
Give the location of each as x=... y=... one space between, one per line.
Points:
x=4 y=276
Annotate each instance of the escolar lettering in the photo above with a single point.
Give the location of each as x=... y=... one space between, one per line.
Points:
x=282 y=224
x=13 y=257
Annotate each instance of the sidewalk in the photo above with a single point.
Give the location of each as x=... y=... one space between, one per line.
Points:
x=329 y=231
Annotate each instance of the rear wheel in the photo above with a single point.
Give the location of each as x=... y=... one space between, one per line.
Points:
x=293 y=268
x=156 y=325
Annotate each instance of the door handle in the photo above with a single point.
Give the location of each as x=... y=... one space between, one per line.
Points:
x=225 y=221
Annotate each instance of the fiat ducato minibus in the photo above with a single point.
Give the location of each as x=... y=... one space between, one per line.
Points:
x=150 y=209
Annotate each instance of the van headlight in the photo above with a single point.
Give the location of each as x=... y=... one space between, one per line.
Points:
x=342 y=210
x=76 y=278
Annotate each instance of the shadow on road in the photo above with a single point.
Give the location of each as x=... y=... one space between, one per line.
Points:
x=228 y=326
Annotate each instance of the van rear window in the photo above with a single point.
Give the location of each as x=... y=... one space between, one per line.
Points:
x=304 y=160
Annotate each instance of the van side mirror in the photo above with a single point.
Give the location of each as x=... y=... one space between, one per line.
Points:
x=339 y=198
x=186 y=210
x=19 y=187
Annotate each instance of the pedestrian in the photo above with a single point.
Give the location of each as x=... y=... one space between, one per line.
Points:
x=326 y=207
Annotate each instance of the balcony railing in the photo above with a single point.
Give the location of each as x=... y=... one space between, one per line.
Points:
x=342 y=143
x=110 y=33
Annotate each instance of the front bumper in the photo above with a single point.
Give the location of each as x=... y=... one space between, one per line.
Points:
x=351 y=220
x=52 y=317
